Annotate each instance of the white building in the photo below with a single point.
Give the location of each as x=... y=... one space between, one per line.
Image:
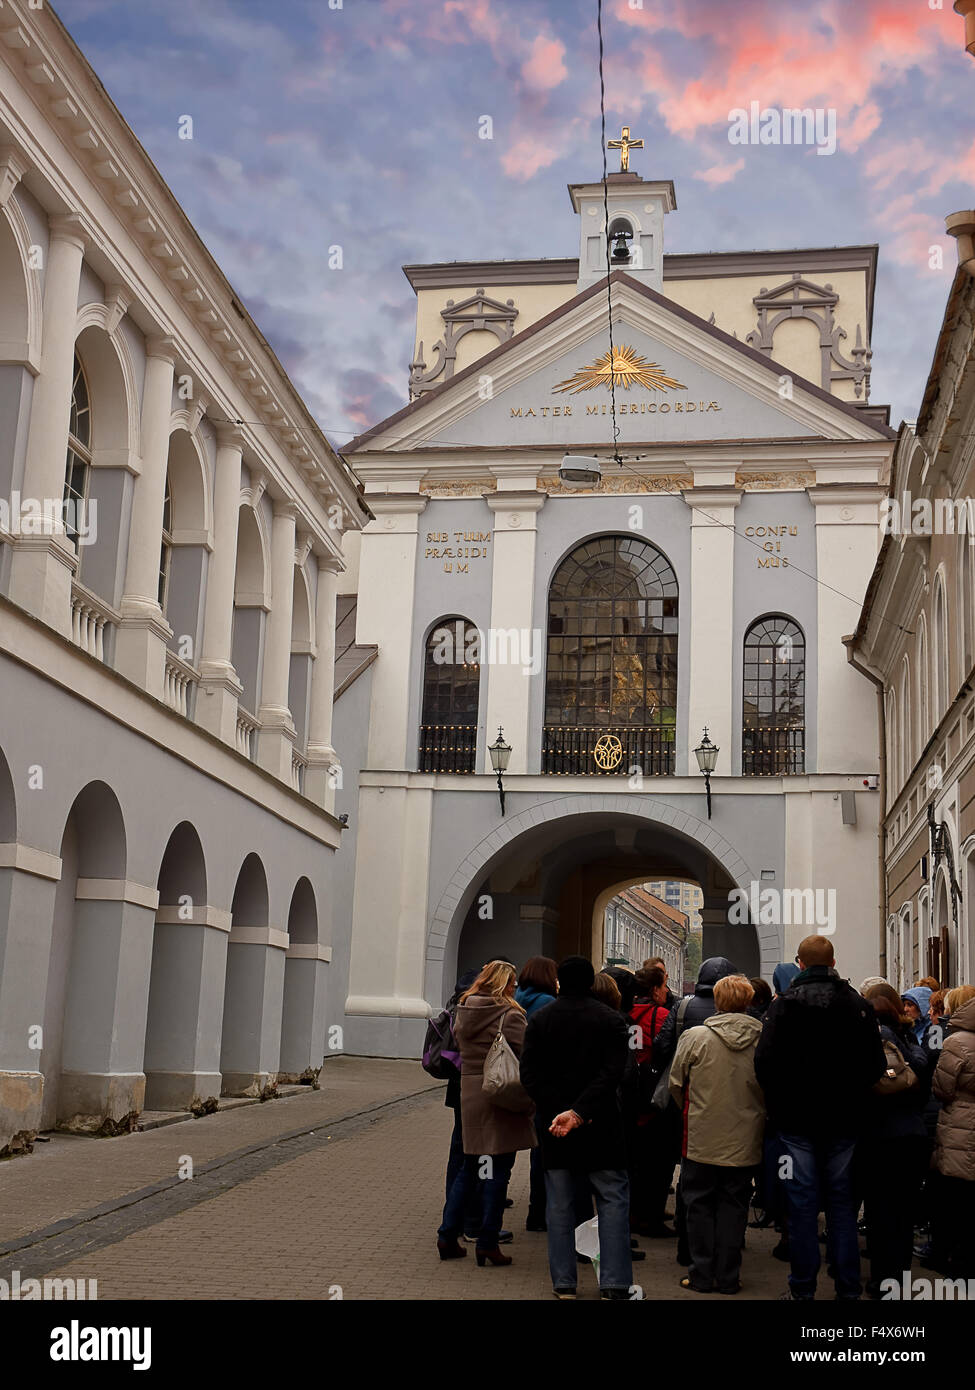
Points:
x=167 y=772
x=709 y=581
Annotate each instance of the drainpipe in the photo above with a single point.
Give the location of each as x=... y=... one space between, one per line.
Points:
x=961 y=225
x=882 y=785
x=967 y=9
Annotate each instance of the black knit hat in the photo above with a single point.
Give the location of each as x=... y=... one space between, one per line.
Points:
x=576 y=976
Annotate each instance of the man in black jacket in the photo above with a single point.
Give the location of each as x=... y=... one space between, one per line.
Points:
x=698 y=1008
x=571 y=1066
x=819 y=1054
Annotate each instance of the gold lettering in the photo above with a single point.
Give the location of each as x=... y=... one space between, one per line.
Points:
x=463 y=569
x=785 y=562
x=528 y=412
x=664 y=407
x=690 y=407
x=678 y=405
x=556 y=411
x=566 y=410
x=515 y=411
x=793 y=530
x=592 y=409
x=749 y=530
x=545 y=410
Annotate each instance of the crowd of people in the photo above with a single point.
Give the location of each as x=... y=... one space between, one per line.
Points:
x=806 y=1098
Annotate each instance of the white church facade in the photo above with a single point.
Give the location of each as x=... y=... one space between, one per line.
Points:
x=707 y=583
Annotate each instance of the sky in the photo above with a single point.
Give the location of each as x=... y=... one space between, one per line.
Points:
x=359 y=123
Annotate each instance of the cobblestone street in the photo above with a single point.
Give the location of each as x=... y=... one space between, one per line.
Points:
x=336 y=1193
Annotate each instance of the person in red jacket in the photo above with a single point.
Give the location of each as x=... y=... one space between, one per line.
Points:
x=657 y=1131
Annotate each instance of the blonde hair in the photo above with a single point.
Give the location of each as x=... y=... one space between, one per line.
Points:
x=606 y=990
x=495 y=980
x=733 y=994
x=955 y=998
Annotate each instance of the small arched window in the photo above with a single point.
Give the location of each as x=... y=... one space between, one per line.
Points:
x=451 y=683
x=78 y=463
x=773 y=740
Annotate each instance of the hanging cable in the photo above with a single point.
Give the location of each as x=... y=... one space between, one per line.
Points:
x=609 y=269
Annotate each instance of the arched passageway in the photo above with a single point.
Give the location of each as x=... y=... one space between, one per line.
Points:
x=543 y=893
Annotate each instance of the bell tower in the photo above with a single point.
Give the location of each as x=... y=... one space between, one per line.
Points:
x=636 y=221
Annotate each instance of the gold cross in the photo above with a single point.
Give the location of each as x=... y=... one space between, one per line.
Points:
x=624 y=145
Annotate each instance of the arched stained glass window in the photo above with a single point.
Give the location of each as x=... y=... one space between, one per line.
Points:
x=611 y=675
x=451 y=682
x=773 y=740
x=78 y=462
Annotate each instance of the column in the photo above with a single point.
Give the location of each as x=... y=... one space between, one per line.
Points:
x=42 y=566
x=319 y=779
x=384 y=617
x=219 y=690
x=708 y=620
x=303 y=1023
x=28 y=884
x=189 y=969
x=251 y=1048
x=843 y=703
x=388 y=957
x=275 y=741
x=102 y=1084
x=140 y=645
x=509 y=687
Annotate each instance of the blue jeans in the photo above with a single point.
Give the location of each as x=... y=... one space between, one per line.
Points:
x=822 y=1175
x=488 y=1173
x=611 y=1189
x=455 y=1162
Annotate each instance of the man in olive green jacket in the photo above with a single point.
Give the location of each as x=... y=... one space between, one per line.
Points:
x=713 y=1082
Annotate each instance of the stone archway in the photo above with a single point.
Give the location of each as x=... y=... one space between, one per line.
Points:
x=575 y=818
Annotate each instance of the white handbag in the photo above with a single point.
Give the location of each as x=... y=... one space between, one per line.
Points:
x=502 y=1077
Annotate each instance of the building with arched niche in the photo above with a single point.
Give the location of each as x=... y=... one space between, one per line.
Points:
x=705 y=582
x=170 y=541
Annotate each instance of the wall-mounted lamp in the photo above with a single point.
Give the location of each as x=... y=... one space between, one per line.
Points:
x=707 y=755
x=500 y=755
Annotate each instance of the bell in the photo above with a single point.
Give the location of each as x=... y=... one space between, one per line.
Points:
x=621 y=252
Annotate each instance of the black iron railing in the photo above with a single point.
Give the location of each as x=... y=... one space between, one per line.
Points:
x=447 y=747
x=773 y=752
x=575 y=750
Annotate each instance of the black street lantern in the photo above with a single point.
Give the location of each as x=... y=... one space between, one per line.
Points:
x=500 y=754
x=707 y=755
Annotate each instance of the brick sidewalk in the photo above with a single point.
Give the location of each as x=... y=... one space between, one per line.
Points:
x=72 y=1174
x=355 y=1216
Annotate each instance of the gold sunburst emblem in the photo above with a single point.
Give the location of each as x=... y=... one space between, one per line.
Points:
x=628 y=368
x=608 y=752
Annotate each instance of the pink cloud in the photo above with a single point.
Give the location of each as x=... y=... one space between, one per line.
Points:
x=544 y=66
x=720 y=173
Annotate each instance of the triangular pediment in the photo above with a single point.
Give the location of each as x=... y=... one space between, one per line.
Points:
x=676 y=378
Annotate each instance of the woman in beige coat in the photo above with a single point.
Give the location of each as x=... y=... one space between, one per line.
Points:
x=492 y=1135
x=954 y=1154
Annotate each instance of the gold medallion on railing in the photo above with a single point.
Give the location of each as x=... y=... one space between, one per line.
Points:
x=608 y=752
